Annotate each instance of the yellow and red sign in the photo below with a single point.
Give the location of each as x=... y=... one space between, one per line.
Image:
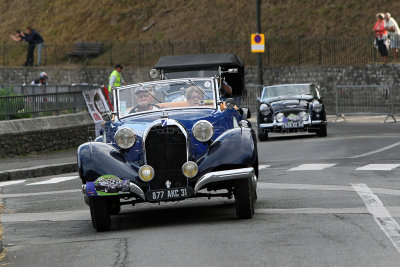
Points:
x=257 y=43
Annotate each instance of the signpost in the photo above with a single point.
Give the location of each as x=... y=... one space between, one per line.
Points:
x=257 y=43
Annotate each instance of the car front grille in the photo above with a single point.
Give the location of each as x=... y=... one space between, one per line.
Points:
x=166 y=153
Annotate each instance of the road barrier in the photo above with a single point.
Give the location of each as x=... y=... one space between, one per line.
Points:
x=364 y=100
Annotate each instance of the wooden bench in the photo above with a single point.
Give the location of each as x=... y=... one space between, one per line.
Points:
x=85 y=49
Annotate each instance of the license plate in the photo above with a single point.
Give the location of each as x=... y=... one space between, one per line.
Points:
x=293 y=124
x=169 y=194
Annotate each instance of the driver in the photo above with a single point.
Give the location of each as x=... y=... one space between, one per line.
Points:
x=194 y=96
x=144 y=99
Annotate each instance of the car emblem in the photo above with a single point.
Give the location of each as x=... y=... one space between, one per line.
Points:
x=164 y=123
x=168 y=184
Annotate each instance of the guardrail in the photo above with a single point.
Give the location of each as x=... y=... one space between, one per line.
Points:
x=35 y=101
x=364 y=100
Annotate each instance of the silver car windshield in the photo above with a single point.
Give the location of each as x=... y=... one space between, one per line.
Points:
x=289 y=90
x=165 y=95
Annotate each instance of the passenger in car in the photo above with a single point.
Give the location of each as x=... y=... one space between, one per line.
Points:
x=194 y=95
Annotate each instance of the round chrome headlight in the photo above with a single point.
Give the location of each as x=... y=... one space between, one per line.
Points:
x=265 y=109
x=303 y=115
x=203 y=131
x=279 y=117
x=125 y=138
x=154 y=73
x=190 y=169
x=316 y=106
x=146 y=173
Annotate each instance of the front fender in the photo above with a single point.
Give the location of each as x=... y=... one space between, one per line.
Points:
x=96 y=159
x=234 y=147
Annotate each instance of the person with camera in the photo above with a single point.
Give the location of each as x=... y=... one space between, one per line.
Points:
x=33 y=38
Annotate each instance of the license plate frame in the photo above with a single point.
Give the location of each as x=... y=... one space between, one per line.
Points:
x=293 y=124
x=169 y=194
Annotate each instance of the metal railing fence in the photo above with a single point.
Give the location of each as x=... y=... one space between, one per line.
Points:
x=279 y=52
x=33 y=101
x=365 y=100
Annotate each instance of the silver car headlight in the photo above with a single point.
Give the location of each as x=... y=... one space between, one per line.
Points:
x=316 y=106
x=265 y=109
x=146 y=173
x=279 y=117
x=203 y=131
x=190 y=169
x=125 y=138
x=303 y=115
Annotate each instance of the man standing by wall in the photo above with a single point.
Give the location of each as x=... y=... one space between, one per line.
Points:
x=115 y=80
x=394 y=34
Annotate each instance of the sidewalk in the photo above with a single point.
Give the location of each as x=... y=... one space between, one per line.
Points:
x=45 y=164
x=60 y=162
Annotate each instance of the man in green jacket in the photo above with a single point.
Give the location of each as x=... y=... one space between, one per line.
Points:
x=115 y=80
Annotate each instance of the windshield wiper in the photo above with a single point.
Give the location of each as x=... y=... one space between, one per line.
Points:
x=149 y=93
x=200 y=89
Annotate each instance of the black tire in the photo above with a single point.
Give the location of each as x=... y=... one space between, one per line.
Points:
x=114 y=206
x=322 y=131
x=262 y=136
x=100 y=213
x=244 y=198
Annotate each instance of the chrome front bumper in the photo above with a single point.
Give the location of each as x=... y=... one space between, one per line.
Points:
x=208 y=178
x=220 y=176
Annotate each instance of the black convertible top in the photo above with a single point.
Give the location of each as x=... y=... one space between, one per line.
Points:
x=199 y=61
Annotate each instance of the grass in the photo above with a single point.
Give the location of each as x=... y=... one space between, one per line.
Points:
x=68 y=21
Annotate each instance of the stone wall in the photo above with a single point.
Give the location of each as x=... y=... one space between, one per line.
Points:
x=326 y=76
x=44 y=134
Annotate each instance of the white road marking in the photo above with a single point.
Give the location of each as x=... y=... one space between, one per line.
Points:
x=274 y=186
x=11 y=182
x=78 y=215
x=381 y=215
x=3 y=196
x=311 y=167
x=55 y=180
x=378 y=167
x=263 y=166
x=376 y=151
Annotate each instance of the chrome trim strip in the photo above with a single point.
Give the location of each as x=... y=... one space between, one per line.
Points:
x=219 y=176
x=169 y=122
x=136 y=190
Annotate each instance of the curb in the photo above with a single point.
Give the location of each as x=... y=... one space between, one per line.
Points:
x=38 y=171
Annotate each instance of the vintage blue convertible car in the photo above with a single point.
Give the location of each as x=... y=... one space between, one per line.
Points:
x=169 y=140
x=291 y=108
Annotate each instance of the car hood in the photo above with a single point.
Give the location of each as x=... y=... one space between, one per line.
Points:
x=290 y=102
x=186 y=118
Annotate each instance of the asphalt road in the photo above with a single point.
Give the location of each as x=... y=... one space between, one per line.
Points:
x=330 y=201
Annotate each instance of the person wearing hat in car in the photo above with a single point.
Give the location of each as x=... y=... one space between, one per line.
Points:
x=144 y=98
x=42 y=79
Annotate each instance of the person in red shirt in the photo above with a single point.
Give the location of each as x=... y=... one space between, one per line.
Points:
x=381 y=36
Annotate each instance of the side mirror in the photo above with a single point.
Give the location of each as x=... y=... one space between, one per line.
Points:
x=107 y=116
x=230 y=103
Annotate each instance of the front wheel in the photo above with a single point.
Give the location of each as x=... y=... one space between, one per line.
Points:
x=244 y=196
x=262 y=135
x=322 y=131
x=100 y=213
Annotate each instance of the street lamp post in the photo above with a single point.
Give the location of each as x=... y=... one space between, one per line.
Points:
x=259 y=55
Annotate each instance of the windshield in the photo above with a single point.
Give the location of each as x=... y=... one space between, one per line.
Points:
x=163 y=95
x=288 y=90
x=190 y=73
